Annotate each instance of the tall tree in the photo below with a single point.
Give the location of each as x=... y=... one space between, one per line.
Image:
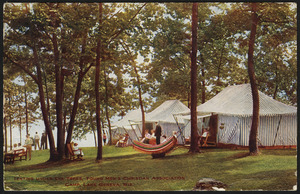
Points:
x=139 y=86
x=81 y=74
x=194 y=131
x=107 y=103
x=97 y=80
x=253 y=144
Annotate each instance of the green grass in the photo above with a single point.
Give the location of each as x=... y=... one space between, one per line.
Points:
x=128 y=170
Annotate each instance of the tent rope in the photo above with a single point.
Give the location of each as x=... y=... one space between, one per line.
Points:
x=277 y=130
x=180 y=132
x=127 y=133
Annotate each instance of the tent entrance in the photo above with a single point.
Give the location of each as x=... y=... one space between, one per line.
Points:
x=213 y=130
x=149 y=126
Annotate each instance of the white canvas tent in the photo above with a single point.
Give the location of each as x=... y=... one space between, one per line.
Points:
x=277 y=123
x=163 y=114
x=202 y=122
x=125 y=126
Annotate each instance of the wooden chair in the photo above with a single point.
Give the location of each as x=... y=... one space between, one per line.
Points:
x=72 y=155
x=123 y=143
x=204 y=137
x=187 y=140
x=206 y=140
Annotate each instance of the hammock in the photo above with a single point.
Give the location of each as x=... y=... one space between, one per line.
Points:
x=165 y=147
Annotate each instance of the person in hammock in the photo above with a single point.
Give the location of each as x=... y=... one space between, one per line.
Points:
x=147 y=138
x=153 y=138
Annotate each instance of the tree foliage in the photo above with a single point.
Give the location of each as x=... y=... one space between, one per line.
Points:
x=155 y=38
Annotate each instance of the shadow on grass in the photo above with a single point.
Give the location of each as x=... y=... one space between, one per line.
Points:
x=286 y=152
x=44 y=165
x=269 y=180
x=66 y=162
x=182 y=155
x=124 y=156
x=238 y=156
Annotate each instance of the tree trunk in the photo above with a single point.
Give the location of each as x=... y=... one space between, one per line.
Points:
x=44 y=108
x=47 y=93
x=58 y=101
x=58 y=90
x=276 y=84
x=194 y=132
x=10 y=134
x=139 y=90
x=93 y=128
x=253 y=145
x=97 y=79
x=276 y=80
x=95 y=138
x=203 y=86
x=10 y=125
x=74 y=112
x=189 y=100
x=5 y=136
x=140 y=100
x=203 y=90
x=106 y=107
x=81 y=75
x=20 y=124
x=26 y=109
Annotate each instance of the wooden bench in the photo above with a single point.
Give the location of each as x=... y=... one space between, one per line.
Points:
x=11 y=157
x=21 y=154
x=73 y=156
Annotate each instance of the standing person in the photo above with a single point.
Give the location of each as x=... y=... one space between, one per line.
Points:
x=104 y=137
x=28 y=145
x=44 y=141
x=37 y=141
x=157 y=133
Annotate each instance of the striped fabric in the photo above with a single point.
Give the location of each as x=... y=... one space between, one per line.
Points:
x=279 y=130
x=165 y=147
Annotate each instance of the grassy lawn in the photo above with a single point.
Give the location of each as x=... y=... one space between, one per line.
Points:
x=128 y=170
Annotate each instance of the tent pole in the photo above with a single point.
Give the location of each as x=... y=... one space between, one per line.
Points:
x=277 y=130
x=180 y=132
x=134 y=131
x=139 y=129
x=127 y=133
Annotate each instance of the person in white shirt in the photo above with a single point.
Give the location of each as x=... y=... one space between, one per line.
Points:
x=147 y=138
x=37 y=141
x=76 y=150
x=28 y=144
x=18 y=147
